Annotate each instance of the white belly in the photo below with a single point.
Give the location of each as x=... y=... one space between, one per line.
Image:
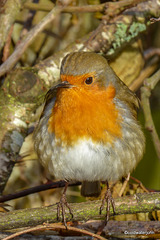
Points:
x=88 y=161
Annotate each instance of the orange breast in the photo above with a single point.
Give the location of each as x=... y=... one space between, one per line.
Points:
x=81 y=113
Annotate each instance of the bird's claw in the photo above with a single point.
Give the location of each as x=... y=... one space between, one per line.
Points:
x=61 y=207
x=110 y=201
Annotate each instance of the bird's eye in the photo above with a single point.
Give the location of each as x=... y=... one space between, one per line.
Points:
x=89 y=80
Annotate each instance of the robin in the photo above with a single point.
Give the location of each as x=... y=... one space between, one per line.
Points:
x=88 y=129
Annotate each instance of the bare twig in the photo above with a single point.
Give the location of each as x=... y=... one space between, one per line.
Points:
x=140 y=184
x=153 y=20
x=7 y=45
x=122 y=229
x=124 y=185
x=149 y=85
x=145 y=73
x=86 y=8
x=68 y=9
x=151 y=52
x=36 y=189
x=113 y=9
x=55 y=227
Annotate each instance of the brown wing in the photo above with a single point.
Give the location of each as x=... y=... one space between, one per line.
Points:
x=50 y=96
x=127 y=96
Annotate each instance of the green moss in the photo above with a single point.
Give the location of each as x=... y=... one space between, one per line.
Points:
x=136 y=28
x=121 y=31
x=124 y=34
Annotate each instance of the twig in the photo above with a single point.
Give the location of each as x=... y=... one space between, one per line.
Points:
x=30 y=36
x=7 y=45
x=124 y=185
x=55 y=227
x=153 y=20
x=140 y=184
x=122 y=229
x=145 y=73
x=36 y=189
x=86 y=8
x=69 y=9
x=149 y=85
x=151 y=52
x=114 y=9
x=153 y=80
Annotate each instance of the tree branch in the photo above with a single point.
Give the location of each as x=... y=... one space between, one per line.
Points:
x=82 y=211
x=149 y=85
x=43 y=187
x=87 y=8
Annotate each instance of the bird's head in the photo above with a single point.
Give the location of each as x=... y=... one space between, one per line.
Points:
x=86 y=70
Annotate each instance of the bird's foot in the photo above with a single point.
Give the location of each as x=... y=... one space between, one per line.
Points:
x=110 y=202
x=61 y=207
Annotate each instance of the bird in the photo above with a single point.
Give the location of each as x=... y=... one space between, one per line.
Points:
x=88 y=130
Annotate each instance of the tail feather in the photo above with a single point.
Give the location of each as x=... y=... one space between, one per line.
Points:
x=90 y=189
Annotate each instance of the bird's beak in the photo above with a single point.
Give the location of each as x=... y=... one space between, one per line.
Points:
x=64 y=84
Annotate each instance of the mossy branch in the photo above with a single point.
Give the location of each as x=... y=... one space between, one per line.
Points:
x=82 y=211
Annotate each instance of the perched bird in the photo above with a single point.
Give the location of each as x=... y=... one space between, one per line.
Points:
x=88 y=129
